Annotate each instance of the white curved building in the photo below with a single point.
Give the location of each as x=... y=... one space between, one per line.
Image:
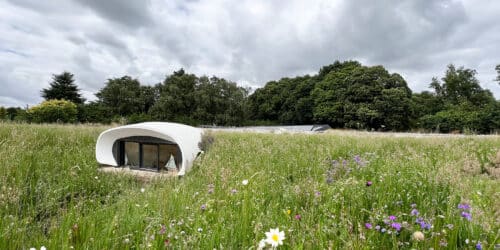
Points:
x=154 y=146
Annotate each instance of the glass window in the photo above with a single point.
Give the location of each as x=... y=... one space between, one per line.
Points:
x=150 y=156
x=167 y=152
x=131 y=154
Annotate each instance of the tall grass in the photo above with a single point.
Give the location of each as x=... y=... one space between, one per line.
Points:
x=313 y=187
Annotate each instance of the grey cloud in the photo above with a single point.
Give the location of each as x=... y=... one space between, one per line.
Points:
x=128 y=13
x=251 y=42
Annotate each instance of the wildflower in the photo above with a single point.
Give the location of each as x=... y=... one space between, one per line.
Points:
x=200 y=230
x=358 y=160
x=288 y=211
x=298 y=217
x=126 y=240
x=368 y=183
x=275 y=237
x=344 y=162
x=424 y=225
x=392 y=217
x=244 y=182
x=317 y=193
x=478 y=246
x=466 y=215
x=418 y=236
x=262 y=244
x=377 y=227
x=413 y=205
x=203 y=207
x=368 y=226
x=234 y=191
x=166 y=242
x=383 y=230
x=443 y=243
x=396 y=226
x=163 y=229
x=142 y=190
x=467 y=241
x=329 y=180
x=32 y=248
x=43 y=248
x=464 y=206
x=414 y=212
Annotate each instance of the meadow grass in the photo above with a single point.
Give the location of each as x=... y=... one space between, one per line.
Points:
x=324 y=191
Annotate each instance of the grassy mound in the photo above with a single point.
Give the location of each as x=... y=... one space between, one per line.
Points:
x=323 y=191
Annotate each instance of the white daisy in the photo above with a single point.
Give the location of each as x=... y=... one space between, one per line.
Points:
x=275 y=237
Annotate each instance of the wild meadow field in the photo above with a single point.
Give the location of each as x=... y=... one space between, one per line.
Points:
x=323 y=191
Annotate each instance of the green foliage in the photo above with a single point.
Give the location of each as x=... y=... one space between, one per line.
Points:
x=53 y=195
x=287 y=101
x=422 y=104
x=460 y=102
x=137 y=118
x=3 y=113
x=122 y=96
x=194 y=100
x=219 y=102
x=54 y=111
x=459 y=86
x=94 y=112
x=355 y=96
x=63 y=87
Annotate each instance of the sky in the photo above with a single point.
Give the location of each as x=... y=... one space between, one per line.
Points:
x=249 y=42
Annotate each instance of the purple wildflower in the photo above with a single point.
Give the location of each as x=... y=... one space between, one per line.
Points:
x=464 y=206
x=234 y=191
x=383 y=230
x=368 y=183
x=466 y=215
x=317 y=193
x=414 y=212
x=357 y=159
x=344 y=162
x=329 y=180
x=335 y=163
x=163 y=229
x=425 y=225
x=298 y=217
x=203 y=207
x=377 y=227
x=396 y=226
x=392 y=217
x=368 y=226
x=478 y=246
x=413 y=205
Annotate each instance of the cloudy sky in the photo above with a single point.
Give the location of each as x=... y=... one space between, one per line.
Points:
x=249 y=42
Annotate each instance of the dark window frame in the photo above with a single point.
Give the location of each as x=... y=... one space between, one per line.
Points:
x=121 y=153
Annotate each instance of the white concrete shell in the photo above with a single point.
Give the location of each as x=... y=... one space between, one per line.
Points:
x=186 y=137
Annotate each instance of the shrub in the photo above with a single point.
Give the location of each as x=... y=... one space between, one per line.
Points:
x=53 y=111
x=137 y=118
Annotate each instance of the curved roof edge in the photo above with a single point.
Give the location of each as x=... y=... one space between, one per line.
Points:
x=186 y=137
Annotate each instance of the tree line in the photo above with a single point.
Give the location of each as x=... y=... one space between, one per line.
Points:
x=343 y=94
